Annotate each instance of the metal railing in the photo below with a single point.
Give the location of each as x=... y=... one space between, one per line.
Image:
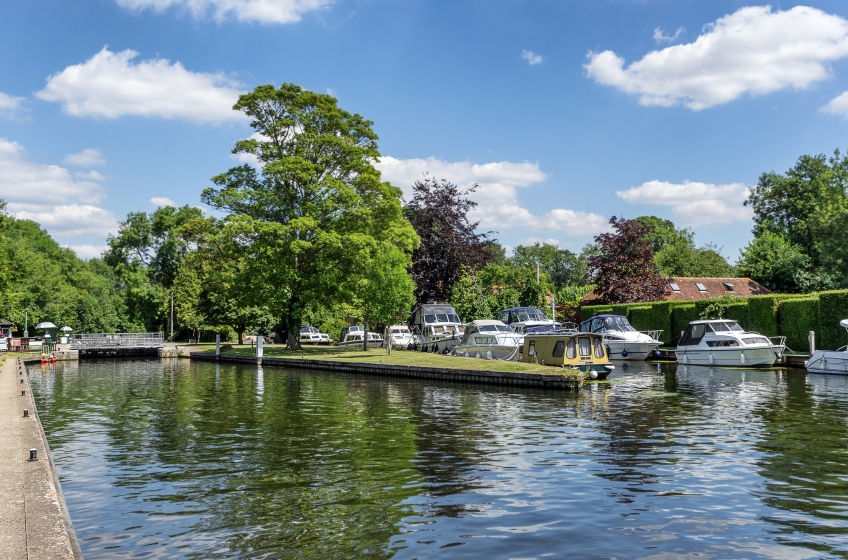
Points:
x=118 y=340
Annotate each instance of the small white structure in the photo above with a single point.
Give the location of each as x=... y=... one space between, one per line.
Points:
x=352 y=336
x=310 y=335
x=724 y=343
x=490 y=339
x=830 y=361
x=624 y=342
x=400 y=336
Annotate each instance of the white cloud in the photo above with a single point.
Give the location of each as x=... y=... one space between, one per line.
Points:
x=531 y=57
x=754 y=51
x=87 y=252
x=89 y=157
x=837 y=106
x=160 y=201
x=661 y=37
x=497 y=196
x=49 y=195
x=10 y=107
x=259 y=11
x=109 y=85
x=90 y=176
x=694 y=204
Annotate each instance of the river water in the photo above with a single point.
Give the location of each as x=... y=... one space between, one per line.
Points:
x=171 y=459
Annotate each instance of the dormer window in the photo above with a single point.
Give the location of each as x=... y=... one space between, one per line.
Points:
x=701 y=287
x=674 y=287
x=728 y=286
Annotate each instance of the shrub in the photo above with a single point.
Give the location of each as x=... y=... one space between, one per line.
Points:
x=681 y=316
x=725 y=307
x=641 y=317
x=834 y=308
x=796 y=318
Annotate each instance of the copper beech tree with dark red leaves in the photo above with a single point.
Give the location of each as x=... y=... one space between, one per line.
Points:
x=623 y=267
x=439 y=213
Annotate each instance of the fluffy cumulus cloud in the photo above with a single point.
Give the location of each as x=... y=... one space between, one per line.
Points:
x=89 y=157
x=694 y=204
x=753 y=51
x=259 y=11
x=111 y=85
x=10 y=107
x=531 y=57
x=838 y=106
x=497 y=196
x=161 y=201
x=661 y=37
x=48 y=194
x=88 y=251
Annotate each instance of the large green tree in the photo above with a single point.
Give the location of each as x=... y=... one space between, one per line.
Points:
x=808 y=208
x=675 y=253
x=310 y=215
x=563 y=267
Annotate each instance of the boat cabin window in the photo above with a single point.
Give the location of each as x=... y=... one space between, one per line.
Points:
x=597 y=325
x=484 y=340
x=722 y=343
x=756 y=340
x=571 y=353
x=400 y=331
x=726 y=326
x=559 y=349
x=693 y=334
x=503 y=316
x=532 y=349
x=618 y=324
x=356 y=329
x=585 y=345
x=355 y=337
x=599 y=348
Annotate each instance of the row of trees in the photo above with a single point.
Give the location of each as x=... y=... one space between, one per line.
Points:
x=310 y=234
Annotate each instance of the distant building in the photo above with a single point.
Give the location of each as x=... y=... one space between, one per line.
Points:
x=6 y=327
x=688 y=289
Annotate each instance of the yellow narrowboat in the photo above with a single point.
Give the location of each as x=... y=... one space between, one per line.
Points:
x=581 y=350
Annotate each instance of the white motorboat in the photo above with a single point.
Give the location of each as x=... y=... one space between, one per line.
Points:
x=490 y=339
x=435 y=328
x=623 y=341
x=310 y=335
x=830 y=361
x=723 y=342
x=400 y=336
x=353 y=336
x=525 y=320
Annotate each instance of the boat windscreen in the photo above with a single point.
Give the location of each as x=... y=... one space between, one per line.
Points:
x=445 y=314
x=504 y=328
x=488 y=328
x=537 y=314
x=618 y=324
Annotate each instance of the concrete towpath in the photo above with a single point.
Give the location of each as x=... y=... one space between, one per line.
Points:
x=34 y=522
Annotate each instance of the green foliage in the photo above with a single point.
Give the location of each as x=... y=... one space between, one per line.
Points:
x=778 y=264
x=333 y=326
x=387 y=292
x=480 y=295
x=640 y=316
x=589 y=311
x=797 y=317
x=681 y=316
x=620 y=309
x=561 y=266
x=724 y=307
x=675 y=253
x=763 y=312
x=834 y=308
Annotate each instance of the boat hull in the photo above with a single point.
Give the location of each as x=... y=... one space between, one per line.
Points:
x=828 y=362
x=510 y=353
x=371 y=343
x=624 y=350
x=727 y=357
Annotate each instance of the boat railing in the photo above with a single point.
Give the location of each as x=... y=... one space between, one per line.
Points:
x=655 y=334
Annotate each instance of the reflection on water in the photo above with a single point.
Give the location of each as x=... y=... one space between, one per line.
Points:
x=186 y=460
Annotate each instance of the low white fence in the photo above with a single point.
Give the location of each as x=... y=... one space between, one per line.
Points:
x=117 y=340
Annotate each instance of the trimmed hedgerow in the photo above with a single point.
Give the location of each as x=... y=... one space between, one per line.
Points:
x=589 y=311
x=620 y=309
x=680 y=318
x=763 y=311
x=833 y=308
x=640 y=316
x=796 y=318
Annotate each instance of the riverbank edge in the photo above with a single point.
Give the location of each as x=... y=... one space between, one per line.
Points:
x=546 y=381
x=47 y=536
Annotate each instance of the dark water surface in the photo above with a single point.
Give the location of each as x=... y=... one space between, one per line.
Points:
x=174 y=459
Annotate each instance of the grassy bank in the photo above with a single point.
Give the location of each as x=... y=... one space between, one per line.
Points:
x=378 y=355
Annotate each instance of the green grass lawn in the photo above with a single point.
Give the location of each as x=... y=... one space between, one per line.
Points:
x=378 y=355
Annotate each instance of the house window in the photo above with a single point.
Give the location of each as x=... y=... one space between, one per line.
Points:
x=674 y=287
x=728 y=286
x=701 y=287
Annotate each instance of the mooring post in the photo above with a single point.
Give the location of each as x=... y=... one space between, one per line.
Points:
x=259 y=341
x=812 y=339
x=217 y=345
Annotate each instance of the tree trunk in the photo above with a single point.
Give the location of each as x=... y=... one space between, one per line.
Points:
x=240 y=337
x=292 y=343
x=388 y=338
x=365 y=337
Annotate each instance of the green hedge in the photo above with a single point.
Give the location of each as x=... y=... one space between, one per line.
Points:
x=681 y=316
x=621 y=309
x=834 y=308
x=641 y=317
x=590 y=311
x=796 y=318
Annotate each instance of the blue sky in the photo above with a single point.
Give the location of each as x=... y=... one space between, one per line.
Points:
x=565 y=112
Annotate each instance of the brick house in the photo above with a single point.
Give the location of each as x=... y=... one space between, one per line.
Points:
x=682 y=288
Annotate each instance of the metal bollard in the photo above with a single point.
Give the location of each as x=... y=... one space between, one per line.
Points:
x=33 y=454
x=26 y=413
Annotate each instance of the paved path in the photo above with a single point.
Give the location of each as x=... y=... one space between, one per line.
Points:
x=34 y=524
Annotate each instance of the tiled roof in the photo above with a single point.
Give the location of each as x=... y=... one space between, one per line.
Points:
x=690 y=289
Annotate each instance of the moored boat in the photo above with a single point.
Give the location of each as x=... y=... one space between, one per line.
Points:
x=435 y=328
x=353 y=336
x=584 y=351
x=310 y=335
x=400 y=336
x=624 y=342
x=489 y=339
x=527 y=319
x=834 y=362
x=722 y=342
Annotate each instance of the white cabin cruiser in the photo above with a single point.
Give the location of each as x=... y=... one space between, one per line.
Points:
x=400 y=336
x=723 y=342
x=622 y=340
x=830 y=361
x=353 y=336
x=435 y=328
x=490 y=339
x=310 y=335
x=527 y=320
